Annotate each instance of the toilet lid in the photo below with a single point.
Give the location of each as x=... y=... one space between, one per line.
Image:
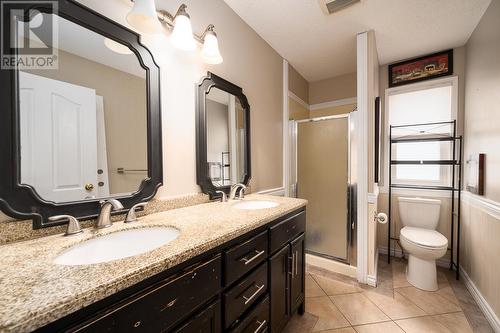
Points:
x=424 y=237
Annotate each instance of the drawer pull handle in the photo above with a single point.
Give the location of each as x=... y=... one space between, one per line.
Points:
x=261 y=325
x=258 y=254
x=296 y=263
x=250 y=298
x=169 y=304
x=137 y=324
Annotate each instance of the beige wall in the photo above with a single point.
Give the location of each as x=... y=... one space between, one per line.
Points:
x=249 y=62
x=480 y=249
x=124 y=98
x=481 y=227
x=297 y=84
x=296 y=110
x=339 y=87
x=334 y=110
x=482 y=101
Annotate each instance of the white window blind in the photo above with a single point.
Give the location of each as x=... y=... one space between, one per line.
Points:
x=416 y=107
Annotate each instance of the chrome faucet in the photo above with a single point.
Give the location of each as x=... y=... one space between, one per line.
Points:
x=104 y=219
x=74 y=227
x=223 y=196
x=234 y=190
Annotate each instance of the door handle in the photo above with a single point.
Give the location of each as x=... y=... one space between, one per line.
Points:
x=296 y=263
x=89 y=187
x=251 y=297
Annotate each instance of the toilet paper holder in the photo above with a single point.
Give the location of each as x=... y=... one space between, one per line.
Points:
x=380 y=217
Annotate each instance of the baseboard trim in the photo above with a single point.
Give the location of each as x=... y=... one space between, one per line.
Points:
x=279 y=191
x=488 y=312
x=371 y=280
x=441 y=262
x=331 y=265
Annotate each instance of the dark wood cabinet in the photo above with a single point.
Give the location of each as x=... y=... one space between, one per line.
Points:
x=207 y=321
x=250 y=284
x=297 y=276
x=287 y=267
x=279 y=265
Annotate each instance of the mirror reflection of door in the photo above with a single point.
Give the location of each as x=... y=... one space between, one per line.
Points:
x=225 y=137
x=84 y=124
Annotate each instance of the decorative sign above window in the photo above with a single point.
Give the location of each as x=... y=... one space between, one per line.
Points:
x=423 y=68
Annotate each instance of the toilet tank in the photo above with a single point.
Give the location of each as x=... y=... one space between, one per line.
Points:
x=419 y=212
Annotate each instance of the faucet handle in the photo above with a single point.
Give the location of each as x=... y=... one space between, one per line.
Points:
x=241 y=195
x=114 y=203
x=131 y=217
x=223 y=196
x=74 y=227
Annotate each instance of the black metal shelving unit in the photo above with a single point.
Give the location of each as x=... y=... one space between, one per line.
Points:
x=456 y=178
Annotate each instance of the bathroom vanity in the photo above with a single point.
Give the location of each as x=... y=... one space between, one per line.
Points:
x=229 y=270
x=250 y=284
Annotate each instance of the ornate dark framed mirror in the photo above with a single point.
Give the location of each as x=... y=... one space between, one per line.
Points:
x=82 y=126
x=222 y=135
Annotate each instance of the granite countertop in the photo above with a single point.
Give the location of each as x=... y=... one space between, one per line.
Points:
x=34 y=291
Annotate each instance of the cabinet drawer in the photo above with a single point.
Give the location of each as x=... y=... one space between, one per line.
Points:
x=286 y=230
x=163 y=306
x=241 y=258
x=207 y=321
x=256 y=321
x=244 y=294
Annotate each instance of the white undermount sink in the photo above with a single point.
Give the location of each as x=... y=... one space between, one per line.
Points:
x=255 y=204
x=117 y=245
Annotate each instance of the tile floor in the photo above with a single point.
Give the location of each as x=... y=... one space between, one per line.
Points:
x=338 y=304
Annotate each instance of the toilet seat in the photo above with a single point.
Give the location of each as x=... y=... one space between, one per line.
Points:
x=424 y=238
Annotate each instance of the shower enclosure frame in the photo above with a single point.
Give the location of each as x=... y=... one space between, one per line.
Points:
x=351 y=223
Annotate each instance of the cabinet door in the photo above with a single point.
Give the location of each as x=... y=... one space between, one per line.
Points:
x=207 y=321
x=279 y=268
x=297 y=282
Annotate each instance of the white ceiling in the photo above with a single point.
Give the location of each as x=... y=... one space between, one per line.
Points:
x=321 y=46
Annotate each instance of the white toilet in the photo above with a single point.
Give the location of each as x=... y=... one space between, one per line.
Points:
x=421 y=241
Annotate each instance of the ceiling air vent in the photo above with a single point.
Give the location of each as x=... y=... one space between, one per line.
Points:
x=333 y=6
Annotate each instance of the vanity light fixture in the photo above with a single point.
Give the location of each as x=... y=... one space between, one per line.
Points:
x=182 y=33
x=210 y=52
x=145 y=18
x=117 y=47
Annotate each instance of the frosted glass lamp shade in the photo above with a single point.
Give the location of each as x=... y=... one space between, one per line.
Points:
x=182 y=35
x=116 y=47
x=210 y=52
x=143 y=17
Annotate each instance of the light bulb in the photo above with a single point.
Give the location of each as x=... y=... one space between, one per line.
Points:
x=182 y=35
x=210 y=52
x=143 y=17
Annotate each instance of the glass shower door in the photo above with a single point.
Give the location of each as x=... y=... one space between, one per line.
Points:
x=322 y=148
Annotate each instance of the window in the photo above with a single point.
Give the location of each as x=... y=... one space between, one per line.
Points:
x=417 y=104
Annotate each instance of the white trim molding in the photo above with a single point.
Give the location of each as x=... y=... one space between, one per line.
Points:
x=298 y=100
x=489 y=313
x=279 y=191
x=330 y=265
x=331 y=104
x=286 y=143
x=362 y=156
x=488 y=206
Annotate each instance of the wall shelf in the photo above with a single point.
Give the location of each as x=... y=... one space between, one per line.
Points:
x=455 y=186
